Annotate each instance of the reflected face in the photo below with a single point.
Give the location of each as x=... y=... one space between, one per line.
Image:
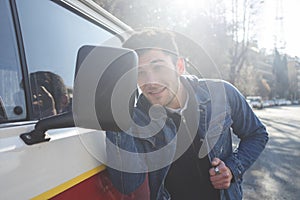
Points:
x=159 y=78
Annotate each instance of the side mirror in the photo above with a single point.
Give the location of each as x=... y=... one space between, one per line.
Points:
x=104 y=93
x=104 y=88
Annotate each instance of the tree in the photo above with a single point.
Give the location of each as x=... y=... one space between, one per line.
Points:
x=140 y=14
x=202 y=31
x=293 y=73
x=215 y=44
x=281 y=75
x=243 y=16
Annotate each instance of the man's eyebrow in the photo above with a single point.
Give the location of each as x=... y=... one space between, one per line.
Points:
x=153 y=62
x=156 y=61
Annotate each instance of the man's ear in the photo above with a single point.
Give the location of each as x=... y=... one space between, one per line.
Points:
x=180 y=64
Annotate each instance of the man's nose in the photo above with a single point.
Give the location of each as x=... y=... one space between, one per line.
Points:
x=151 y=78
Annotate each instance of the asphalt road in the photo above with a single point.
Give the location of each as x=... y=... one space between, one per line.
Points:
x=276 y=174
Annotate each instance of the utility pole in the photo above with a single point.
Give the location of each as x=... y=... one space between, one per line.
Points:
x=279 y=37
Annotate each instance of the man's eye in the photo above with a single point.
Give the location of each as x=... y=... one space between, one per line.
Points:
x=161 y=69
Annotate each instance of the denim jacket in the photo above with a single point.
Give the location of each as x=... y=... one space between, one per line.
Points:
x=222 y=111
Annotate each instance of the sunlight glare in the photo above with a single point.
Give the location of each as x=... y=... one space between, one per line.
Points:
x=192 y=5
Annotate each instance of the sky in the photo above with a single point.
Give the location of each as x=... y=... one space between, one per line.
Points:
x=290 y=29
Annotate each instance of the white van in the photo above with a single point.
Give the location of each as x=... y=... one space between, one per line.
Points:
x=39 y=159
x=255 y=101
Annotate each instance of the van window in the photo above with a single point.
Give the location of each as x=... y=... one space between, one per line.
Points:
x=52 y=36
x=12 y=98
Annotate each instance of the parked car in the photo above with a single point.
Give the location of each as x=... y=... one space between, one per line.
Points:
x=283 y=102
x=268 y=103
x=255 y=101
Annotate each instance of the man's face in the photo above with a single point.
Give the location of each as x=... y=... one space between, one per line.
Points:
x=158 y=78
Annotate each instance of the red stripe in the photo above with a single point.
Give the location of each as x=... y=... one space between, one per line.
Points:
x=99 y=187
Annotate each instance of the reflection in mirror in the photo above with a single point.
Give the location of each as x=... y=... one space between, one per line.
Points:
x=49 y=94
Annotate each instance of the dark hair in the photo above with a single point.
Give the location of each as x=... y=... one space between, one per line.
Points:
x=52 y=82
x=148 y=39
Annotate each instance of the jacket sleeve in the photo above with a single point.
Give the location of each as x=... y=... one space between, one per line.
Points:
x=250 y=130
x=119 y=164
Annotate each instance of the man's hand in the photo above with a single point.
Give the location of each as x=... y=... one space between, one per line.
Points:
x=43 y=104
x=220 y=174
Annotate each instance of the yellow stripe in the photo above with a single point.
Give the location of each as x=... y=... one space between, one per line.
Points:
x=60 y=188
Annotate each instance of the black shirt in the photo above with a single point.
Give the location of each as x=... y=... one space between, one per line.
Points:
x=188 y=176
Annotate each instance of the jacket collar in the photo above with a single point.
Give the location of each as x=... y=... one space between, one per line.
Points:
x=198 y=87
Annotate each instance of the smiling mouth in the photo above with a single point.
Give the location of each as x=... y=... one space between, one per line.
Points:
x=156 y=91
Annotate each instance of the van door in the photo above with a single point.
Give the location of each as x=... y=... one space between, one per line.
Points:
x=39 y=43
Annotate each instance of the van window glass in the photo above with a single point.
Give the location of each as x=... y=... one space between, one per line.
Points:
x=12 y=98
x=52 y=36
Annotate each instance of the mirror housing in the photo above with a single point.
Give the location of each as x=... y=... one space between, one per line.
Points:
x=105 y=88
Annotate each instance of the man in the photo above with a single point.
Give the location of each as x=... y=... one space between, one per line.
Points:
x=200 y=115
x=50 y=96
